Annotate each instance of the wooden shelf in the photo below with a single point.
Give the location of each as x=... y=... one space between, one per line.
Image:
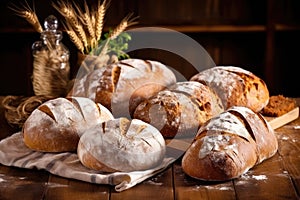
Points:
x=284 y=27
x=213 y=28
x=257 y=35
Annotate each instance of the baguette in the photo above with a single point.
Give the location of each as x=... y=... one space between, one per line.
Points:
x=229 y=144
x=57 y=124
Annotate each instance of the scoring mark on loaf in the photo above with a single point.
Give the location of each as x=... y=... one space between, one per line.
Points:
x=245 y=122
x=149 y=64
x=45 y=109
x=116 y=76
x=77 y=106
x=124 y=125
x=103 y=127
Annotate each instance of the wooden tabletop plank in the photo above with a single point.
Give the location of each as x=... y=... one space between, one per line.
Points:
x=275 y=178
x=62 y=188
x=190 y=188
x=157 y=187
x=23 y=184
x=289 y=148
x=268 y=180
x=282 y=169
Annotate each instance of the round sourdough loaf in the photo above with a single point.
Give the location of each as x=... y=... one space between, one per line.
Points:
x=56 y=125
x=235 y=86
x=180 y=109
x=229 y=144
x=123 y=85
x=121 y=145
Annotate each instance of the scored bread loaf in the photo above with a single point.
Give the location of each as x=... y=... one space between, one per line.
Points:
x=235 y=86
x=121 y=145
x=229 y=144
x=122 y=85
x=57 y=124
x=180 y=109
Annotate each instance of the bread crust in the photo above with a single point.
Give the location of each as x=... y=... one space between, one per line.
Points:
x=123 y=85
x=229 y=144
x=180 y=109
x=121 y=145
x=57 y=124
x=235 y=86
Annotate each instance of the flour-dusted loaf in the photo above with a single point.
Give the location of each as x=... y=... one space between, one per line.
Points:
x=57 y=124
x=235 y=86
x=123 y=85
x=180 y=109
x=121 y=145
x=229 y=144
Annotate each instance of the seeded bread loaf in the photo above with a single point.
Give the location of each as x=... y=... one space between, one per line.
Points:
x=235 y=86
x=121 y=86
x=180 y=109
x=229 y=144
x=121 y=145
x=57 y=124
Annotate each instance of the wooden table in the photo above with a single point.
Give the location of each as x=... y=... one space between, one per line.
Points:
x=275 y=178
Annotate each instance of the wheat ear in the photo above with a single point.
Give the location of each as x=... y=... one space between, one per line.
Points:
x=28 y=14
x=125 y=23
x=88 y=21
x=73 y=36
x=85 y=18
x=100 y=13
x=65 y=9
x=81 y=34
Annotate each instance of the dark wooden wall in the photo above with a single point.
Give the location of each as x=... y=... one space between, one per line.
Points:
x=259 y=35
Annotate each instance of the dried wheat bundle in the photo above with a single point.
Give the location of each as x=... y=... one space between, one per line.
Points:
x=28 y=14
x=85 y=26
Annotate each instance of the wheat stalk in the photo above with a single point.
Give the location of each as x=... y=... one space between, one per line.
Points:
x=81 y=34
x=125 y=23
x=100 y=13
x=65 y=9
x=88 y=22
x=73 y=36
x=85 y=26
x=76 y=40
x=29 y=15
x=86 y=19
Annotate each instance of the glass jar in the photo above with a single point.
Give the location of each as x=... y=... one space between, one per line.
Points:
x=51 y=67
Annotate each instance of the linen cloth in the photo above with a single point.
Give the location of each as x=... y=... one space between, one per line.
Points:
x=13 y=152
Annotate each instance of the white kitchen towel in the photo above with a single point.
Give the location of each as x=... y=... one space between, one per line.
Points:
x=13 y=152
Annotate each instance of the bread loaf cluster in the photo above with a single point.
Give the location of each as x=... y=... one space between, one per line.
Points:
x=88 y=119
x=101 y=142
x=118 y=117
x=229 y=144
